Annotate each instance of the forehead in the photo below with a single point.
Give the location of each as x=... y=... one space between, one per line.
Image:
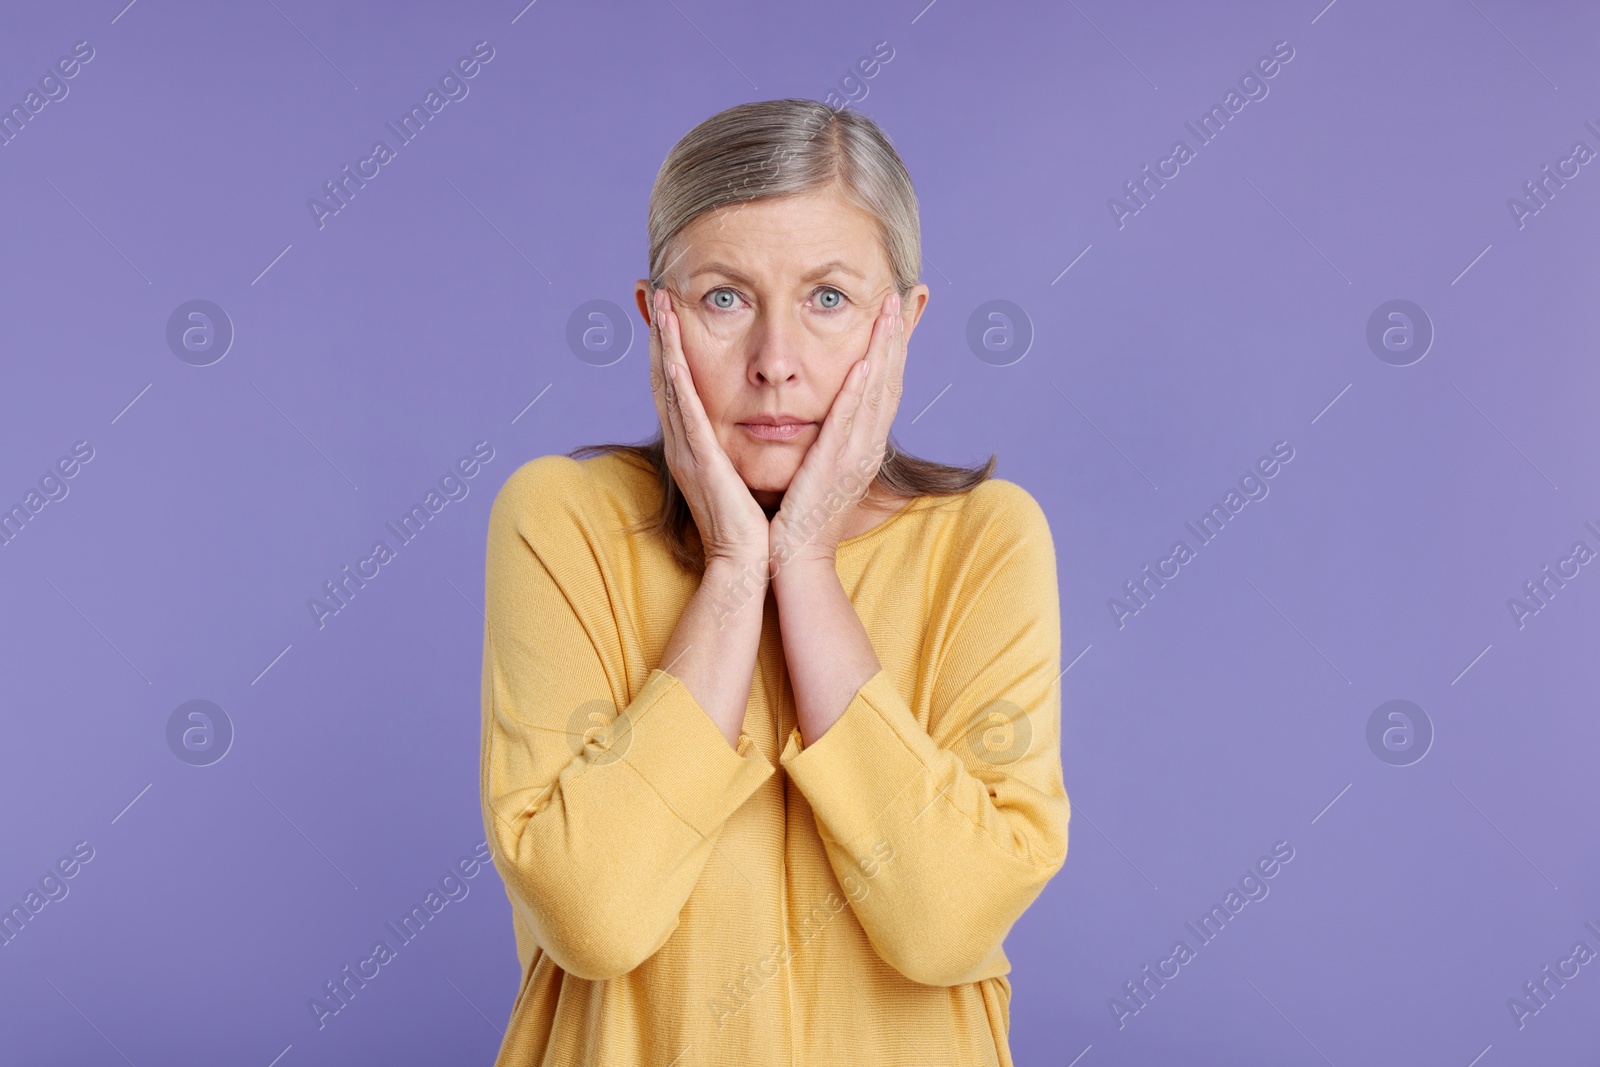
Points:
x=783 y=239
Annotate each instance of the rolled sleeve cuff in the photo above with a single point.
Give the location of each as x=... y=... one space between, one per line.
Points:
x=852 y=774
x=674 y=745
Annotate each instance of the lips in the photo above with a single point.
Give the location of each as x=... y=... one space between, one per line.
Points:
x=778 y=428
x=775 y=420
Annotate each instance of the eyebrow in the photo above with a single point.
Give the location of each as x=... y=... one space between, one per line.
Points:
x=817 y=272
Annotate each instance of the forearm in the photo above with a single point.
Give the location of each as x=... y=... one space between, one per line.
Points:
x=827 y=649
x=713 y=649
x=941 y=844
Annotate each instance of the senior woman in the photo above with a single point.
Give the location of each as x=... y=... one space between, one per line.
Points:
x=771 y=721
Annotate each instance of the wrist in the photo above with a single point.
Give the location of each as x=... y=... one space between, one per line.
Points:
x=734 y=585
x=802 y=569
x=787 y=549
x=814 y=534
x=724 y=568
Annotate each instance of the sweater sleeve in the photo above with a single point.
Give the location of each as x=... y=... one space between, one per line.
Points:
x=601 y=808
x=942 y=837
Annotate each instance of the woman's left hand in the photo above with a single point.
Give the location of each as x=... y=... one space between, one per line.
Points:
x=839 y=466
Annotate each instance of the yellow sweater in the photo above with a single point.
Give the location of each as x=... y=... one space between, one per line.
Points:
x=677 y=901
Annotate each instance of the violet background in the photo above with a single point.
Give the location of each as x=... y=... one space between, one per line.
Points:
x=433 y=310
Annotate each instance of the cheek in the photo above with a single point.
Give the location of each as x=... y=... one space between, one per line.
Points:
x=851 y=339
x=845 y=342
x=712 y=381
x=716 y=335
x=833 y=375
x=835 y=338
x=712 y=350
x=855 y=324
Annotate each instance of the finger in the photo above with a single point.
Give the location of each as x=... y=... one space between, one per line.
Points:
x=658 y=379
x=658 y=370
x=668 y=366
x=897 y=351
x=682 y=443
x=672 y=416
x=875 y=342
x=895 y=374
x=886 y=400
x=868 y=426
x=683 y=439
x=838 y=427
x=878 y=353
x=693 y=423
x=671 y=426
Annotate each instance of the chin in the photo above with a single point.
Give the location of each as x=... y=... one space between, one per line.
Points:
x=767 y=477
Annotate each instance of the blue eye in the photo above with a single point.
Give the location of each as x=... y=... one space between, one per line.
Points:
x=829 y=298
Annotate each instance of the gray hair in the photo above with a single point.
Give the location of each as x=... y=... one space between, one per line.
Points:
x=773 y=148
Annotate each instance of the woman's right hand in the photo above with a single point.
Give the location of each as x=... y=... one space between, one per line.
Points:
x=732 y=525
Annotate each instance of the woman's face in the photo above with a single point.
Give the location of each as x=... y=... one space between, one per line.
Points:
x=775 y=300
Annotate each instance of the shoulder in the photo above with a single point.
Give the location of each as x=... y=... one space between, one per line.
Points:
x=526 y=497
x=993 y=540
x=1004 y=501
x=551 y=496
x=996 y=516
x=1000 y=551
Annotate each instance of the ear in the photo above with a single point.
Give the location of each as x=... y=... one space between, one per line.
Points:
x=912 y=307
x=641 y=295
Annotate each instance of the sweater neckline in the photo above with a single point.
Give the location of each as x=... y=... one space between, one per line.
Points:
x=899 y=513
x=914 y=504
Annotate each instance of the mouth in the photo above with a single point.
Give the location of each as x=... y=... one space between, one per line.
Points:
x=769 y=431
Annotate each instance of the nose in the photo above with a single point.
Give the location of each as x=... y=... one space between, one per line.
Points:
x=776 y=342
